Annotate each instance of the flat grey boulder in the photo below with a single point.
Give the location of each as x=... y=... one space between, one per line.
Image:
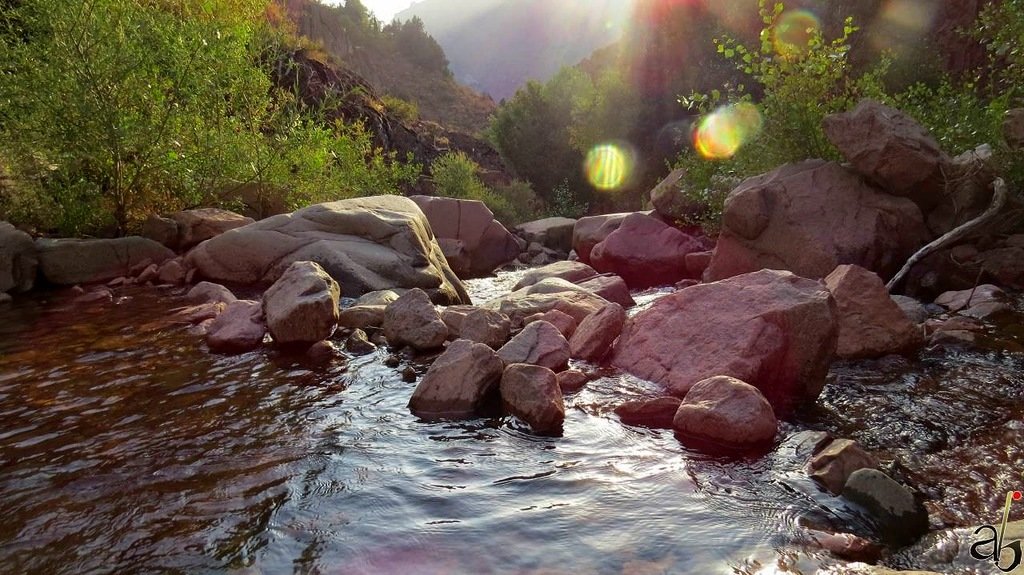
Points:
x=553 y=233
x=75 y=261
x=366 y=244
x=572 y=272
x=458 y=383
x=301 y=308
x=18 y=260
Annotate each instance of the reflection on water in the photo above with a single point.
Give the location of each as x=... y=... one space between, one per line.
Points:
x=126 y=447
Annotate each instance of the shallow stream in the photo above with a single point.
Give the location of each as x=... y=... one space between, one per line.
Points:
x=125 y=447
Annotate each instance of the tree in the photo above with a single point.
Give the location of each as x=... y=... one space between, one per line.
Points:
x=413 y=42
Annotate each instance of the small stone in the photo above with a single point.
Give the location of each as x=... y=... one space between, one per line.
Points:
x=239 y=328
x=358 y=344
x=654 y=413
x=95 y=296
x=204 y=292
x=726 y=412
x=151 y=273
x=833 y=465
x=408 y=374
x=172 y=272
x=392 y=361
x=900 y=518
x=412 y=320
x=572 y=380
x=458 y=383
x=5 y=298
x=564 y=322
x=361 y=316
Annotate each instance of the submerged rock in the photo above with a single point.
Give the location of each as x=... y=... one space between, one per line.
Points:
x=654 y=413
x=366 y=244
x=477 y=324
x=239 y=328
x=73 y=261
x=412 y=320
x=728 y=412
x=531 y=393
x=458 y=383
x=900 y=518
x=302 y=305
x=834 y=464
x=771 y=329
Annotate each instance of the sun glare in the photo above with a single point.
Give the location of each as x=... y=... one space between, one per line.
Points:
x=793 y=32
x=608 y=166
x=720 y=135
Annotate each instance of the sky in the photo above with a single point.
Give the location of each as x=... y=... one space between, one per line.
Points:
x=384 y=10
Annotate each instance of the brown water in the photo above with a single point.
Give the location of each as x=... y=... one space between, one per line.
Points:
x=125 y=447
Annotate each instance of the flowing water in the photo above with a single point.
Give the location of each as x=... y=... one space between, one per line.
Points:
x=125 y=447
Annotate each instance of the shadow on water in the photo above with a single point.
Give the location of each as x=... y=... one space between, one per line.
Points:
x=126 y=447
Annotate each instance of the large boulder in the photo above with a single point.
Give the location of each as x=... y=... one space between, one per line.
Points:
x=540 y=343
x=458 y=383
x=366 y=244
x=569 y=271
x=486 y=243
x=532 y=394
x=771 y=329
x=596 y=334
x=239 y=328
x=834 y=464
x=871 y=324
x=412 y=320
x=18 y=259
x=611 y=287
x=727 y=412
x=302 y=305
x=809 y=218
x=553 y=233
x=73 y=261
x=592 y=230
x=671 y=201
x=892 y=150
x=645 y=252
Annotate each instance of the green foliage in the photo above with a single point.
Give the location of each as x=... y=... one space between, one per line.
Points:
x=456 y=176
x=522 y=202
x=113 y=109
x=566 y=204
x=1000 y=28
x=606 y=110
x=406 y=111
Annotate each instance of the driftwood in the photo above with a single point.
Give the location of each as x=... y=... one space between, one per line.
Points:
x=999 y=198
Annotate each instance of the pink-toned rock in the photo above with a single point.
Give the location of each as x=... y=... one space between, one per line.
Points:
x=726 y=411
x=199 y=225
x=770 y=328
x=172 y=272
x=572 y=380
x=458 y=382
x=654 y=413
x=412 y=320
x=531 y=393
x=611 y=287
x=204 y=292
x=697 y=263
x=959 y=301
x=477 y=324
x=871 y=324
x=95 y=296
x=554 y=233
x=239 y=328
x=809 y=218
x=645 y=252
x=592 y=230
x=540 y=343
x=834 y=464
x=467 y=228
x=362 y=316
x=150 y=274
x=596 y=334
x=301 y=307
x=891 y=149
x=564 y=322
x=956 y=323
x=572 y=272
x=199 y=313
x=575 y=301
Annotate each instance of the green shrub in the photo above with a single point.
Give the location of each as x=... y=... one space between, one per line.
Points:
x=564 y=203
x=406 y=111
x=523 y=203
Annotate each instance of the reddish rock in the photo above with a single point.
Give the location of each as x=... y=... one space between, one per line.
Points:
x=572 y=380
x=467 y=228
x=199 y=313
x=477 y=324
x=172 y=272
x=564 y=322
x=654 y=413
x=871 y=324
x=611 y=287
x=891 y=149
x=726 y=411
x=574 y=301
x=412 y=320
x=770 y=328
x=592 y=230
x=596 y=334
x=458 y=382
x=571 y=272
x=834 y=464
x=959 y=301
x=697 y=263
x=531 y=393
x=554 y=233
x=645 y=252
x=204 y=292
x=362 y=316
x=239 y=328
x=540 y=343
x=809 y=218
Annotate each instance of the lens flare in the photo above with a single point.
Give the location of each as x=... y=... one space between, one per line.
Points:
x=793 y=32
x=608 y=166
x=720 y=134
